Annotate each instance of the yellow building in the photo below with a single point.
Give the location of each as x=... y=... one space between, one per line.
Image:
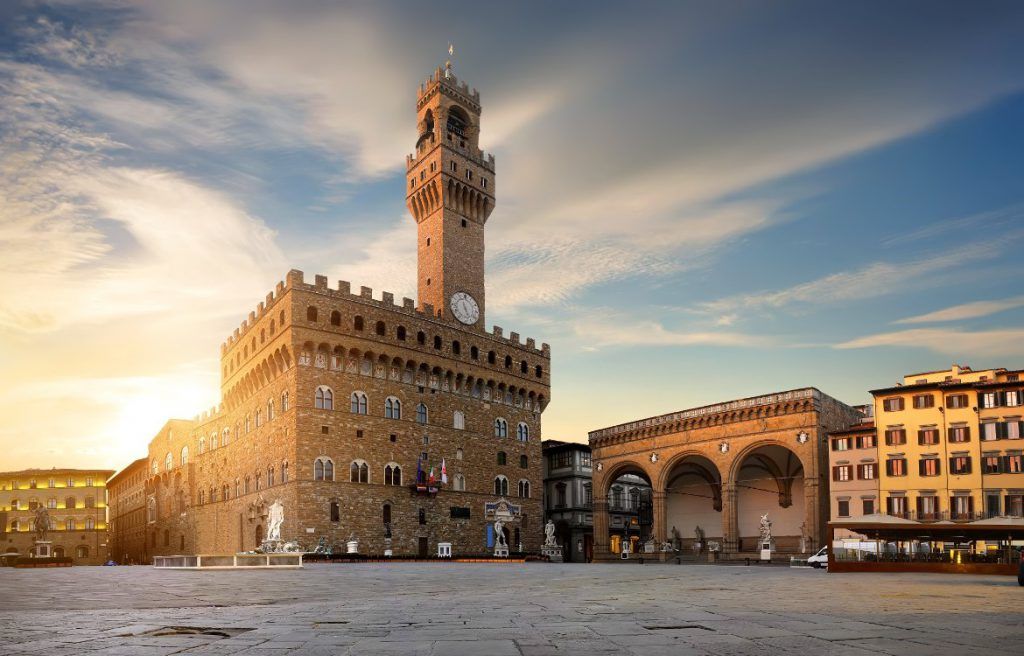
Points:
x=76 y=502
x=949 y=445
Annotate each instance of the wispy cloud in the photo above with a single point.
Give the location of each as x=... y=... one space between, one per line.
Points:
x=964 y=311
x=870 y=281
x=997 y=343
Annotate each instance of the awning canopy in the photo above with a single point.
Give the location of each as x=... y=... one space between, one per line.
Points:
x=887 y=527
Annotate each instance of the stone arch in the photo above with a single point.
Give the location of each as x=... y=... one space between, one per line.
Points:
x=770 y=477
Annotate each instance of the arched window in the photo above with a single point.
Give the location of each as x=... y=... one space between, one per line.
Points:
x=90 y=524
x=335 y=512
x=311 y=313
x=270 y=476
x=500 y=486
x=359 y=472
x=492 y=357
x=437 y=342
x=247 y=485
x=213 y=440
x=421 y=337
x=81 y=551
x=456 y=347
x=386 y=513
x=202 y=445
x=284 y=401
x=474 y=352
x=380 y=328
x=508 y=361
x=458 y=454
x=421 y=414
x=634 y=498
x=400 y=333
x=202 y=497
x=357 y=322
x=459 y=483
x=524 y=462
x=225 y=436
x=323 y=469
x=238 y=488
x=335 y=318
x=184 y=456
x=358 y=403
x=500 y=427
x=168 y=462
x=248 y=424
x=392 y=474
x=284 y=471
x=324 y=398
x=502 y=458
x=259 y=418
x=538 y=371
x=524 y=489
x=392 y=408
x=270 y=409
x=523 y=432
x=51 y=503
x=156 y=467
x=68 y=503
x=459 y=421
x=523 y=368
x=69 y=525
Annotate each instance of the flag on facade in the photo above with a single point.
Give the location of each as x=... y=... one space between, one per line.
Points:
x=419 y=470
x=444 y=473
x=431 y=475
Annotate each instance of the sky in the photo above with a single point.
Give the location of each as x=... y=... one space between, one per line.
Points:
x=697 y=201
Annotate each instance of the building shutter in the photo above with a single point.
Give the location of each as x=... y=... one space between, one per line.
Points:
x=920 y=467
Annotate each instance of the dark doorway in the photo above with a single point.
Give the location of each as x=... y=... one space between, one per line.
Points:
x=423 y=548
x=259 y=534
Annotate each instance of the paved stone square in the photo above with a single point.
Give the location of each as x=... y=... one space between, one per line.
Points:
x=513 y=609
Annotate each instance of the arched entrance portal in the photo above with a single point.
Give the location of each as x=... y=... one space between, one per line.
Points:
x=770 y=481
x=693 y=504
x=259 y=534
x=630 y=505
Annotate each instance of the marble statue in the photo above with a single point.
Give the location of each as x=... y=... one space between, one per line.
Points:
x=41 y=523
x=677 y=540
x=499 y=534
x=698 y=544
x=766 y=528
x=274 y=520
x=549 y=534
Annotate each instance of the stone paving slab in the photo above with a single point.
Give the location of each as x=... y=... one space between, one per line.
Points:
x=522 y=610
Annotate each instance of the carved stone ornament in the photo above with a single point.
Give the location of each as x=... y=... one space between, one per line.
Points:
x=654 y=457
x=802 y=437
x=724 y=447
x=600 y=466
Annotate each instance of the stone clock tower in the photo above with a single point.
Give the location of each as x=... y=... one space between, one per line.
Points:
x=450 y=193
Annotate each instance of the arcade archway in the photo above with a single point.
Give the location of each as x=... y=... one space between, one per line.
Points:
x=630 y=504
x=693 y=503
x=769 y=480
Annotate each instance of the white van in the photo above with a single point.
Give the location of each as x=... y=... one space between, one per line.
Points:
x=819 y=559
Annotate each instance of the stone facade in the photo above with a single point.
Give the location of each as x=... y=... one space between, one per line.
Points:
x=333 y=399
x=126 y=502
x=569 y=499
x=76 y=501
x=720 y=467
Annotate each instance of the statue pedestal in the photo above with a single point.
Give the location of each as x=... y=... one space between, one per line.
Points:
x=554 y=553
x=352 y=546
x=501 y=552
x=42 y=549
x=766 y=551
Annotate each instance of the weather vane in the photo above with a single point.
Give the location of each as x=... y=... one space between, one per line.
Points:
x=448 y=63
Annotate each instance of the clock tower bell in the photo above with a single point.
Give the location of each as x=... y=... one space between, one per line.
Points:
x=450 y=194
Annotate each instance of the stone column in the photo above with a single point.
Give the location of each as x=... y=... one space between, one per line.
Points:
x=813 y=517
x=601 y=546
x=730 y=519
x=658 y=530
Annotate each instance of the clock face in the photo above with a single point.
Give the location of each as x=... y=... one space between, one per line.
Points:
x=464 y=308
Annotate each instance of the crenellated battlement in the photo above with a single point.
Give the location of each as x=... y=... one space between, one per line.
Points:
x=295 y=280
x=437 y=79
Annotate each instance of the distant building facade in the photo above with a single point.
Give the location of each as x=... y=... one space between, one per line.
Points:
x=853 y=467
x=568 y=494
x=341 y=404
x=719 y=468
x=951 y=445
x=126 y=507
x=76 y=502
